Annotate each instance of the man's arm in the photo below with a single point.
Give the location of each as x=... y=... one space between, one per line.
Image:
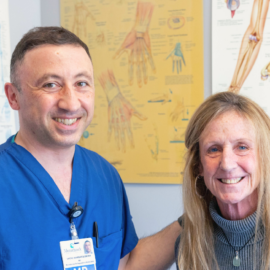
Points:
x=155 y=252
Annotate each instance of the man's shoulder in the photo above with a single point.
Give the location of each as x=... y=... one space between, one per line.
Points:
x=97 y=166
x=93 y=157
x=6 y=145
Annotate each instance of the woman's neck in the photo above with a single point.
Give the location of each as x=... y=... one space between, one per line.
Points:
x=241 y=209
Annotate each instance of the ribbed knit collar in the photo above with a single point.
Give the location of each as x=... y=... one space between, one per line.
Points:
x=238 y=232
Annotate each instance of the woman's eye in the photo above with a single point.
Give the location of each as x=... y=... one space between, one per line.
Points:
x=242 y=148
x=213 y=150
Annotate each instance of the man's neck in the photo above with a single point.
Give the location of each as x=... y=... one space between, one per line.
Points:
x=56 y=161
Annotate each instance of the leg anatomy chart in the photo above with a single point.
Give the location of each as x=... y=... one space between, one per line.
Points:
x=148 y=63
x=7 y=116
x=241 y=42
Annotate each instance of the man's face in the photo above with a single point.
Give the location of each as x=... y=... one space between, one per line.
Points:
x=87 y=247
x=56 y=102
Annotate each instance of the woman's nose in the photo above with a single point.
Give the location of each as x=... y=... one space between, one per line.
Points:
x=228 y=160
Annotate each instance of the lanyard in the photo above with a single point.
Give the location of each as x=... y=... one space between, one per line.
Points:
x=75 y=212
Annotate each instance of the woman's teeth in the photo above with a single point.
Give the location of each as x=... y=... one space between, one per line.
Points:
x=231 y=181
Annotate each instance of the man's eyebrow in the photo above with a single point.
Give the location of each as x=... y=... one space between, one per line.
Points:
x=46 y=77
x=54 y=76
x=85 y=74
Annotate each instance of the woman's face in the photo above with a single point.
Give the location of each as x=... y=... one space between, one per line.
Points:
x=228 y=155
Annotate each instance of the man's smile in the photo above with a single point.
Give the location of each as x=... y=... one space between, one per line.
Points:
x=66 y=121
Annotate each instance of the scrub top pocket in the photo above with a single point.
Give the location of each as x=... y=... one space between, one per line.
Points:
x=108 y=251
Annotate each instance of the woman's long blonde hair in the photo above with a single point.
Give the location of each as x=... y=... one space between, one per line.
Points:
x=196 y=250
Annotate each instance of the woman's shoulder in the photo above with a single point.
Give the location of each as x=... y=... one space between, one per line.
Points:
x=177 y=242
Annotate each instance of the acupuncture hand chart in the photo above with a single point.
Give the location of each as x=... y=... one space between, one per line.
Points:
x=240 y=45
x=148 y=68
x=7 y=117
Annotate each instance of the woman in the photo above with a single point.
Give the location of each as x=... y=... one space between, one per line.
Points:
x=226 y=188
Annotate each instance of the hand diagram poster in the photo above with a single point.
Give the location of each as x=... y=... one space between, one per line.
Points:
x=241 y=42
x=7 y=116
x=148 y=65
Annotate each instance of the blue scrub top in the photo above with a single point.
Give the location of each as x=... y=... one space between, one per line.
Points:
x=34 y=214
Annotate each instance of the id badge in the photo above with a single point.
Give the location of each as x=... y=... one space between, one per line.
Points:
x=78 y=254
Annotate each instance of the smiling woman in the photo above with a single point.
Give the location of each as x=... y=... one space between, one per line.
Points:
x=226 y=187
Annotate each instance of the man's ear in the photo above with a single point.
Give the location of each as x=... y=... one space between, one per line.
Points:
x=12 y=96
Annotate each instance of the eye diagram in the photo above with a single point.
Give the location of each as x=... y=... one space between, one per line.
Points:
x=120 y=111
x=176 y=22
x=137 y=42
x=233 y=5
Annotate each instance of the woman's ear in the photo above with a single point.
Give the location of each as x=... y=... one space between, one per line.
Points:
x=201 y=169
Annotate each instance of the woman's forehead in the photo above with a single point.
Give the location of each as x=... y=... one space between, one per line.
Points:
x=229 y=124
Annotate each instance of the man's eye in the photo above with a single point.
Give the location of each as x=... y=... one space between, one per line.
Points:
x=82 y=84
x=49 y=85
x=242 y=147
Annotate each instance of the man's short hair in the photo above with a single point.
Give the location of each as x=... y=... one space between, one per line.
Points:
x=41 y=36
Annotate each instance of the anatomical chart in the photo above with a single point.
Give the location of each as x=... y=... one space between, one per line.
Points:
x=240 y=45
x=7 y=116
x=148 y=68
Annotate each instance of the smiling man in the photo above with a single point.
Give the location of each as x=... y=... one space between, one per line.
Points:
x=44 y=174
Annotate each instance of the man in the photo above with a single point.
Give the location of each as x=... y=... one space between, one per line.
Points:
x=44 y=172
x=87 y=247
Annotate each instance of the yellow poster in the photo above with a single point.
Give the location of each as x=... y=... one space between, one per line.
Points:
x=148 y=64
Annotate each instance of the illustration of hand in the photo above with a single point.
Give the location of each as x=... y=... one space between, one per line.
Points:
x=178 y=110
x=177 y=57
x=265 y=73
x=120 y=111
x=137 y=42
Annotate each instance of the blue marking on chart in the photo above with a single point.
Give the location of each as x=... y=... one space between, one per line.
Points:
x=162 y=100
x=177 y=141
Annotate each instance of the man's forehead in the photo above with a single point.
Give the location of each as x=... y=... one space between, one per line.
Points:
x=50 y=50
x=48 y=54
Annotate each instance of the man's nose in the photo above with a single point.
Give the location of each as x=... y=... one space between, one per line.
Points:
x=69 y=99
x=228 y=160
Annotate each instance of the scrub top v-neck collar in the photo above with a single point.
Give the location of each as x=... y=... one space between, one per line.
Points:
x=42 y=175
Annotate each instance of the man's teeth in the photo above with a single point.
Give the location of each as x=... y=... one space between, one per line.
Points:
x=231 y=181
x=67 y=122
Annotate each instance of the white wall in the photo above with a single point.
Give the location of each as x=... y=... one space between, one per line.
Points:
x=23 y=15
x=152 y=206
